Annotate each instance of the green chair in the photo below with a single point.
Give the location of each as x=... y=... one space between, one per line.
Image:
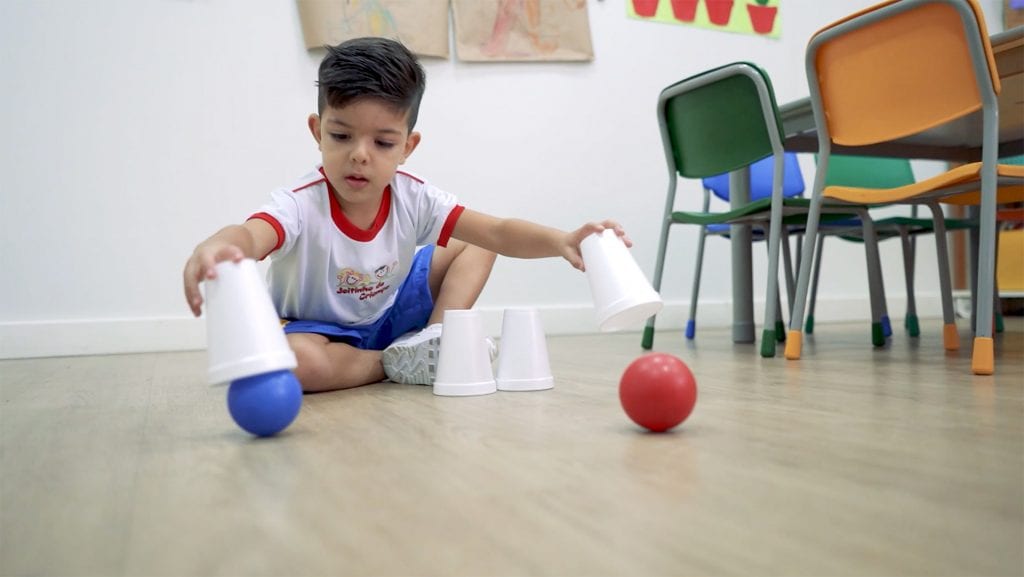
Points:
x=724 y=120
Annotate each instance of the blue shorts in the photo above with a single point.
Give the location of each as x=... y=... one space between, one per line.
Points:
x=410 y=312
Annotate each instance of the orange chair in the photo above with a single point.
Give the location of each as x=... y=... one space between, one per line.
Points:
x=898 y=69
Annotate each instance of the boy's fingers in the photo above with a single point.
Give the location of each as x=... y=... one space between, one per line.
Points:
x=192 y=296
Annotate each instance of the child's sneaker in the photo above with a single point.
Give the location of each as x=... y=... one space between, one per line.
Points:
x=412 y=358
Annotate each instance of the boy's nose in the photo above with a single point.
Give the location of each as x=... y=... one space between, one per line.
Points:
x=359 y=154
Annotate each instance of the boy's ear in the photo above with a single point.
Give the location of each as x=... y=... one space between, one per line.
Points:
x=410 y=144
x=314 y=127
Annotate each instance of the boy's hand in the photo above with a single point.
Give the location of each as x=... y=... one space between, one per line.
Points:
x=201 y=266
x=572 y=251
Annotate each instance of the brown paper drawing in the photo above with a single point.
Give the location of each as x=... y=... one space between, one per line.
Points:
x=422 y=25
x=525 y=30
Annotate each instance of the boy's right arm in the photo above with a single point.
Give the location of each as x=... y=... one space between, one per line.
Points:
x=253 y=239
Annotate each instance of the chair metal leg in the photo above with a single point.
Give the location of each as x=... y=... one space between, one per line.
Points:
x=879 y=293
x=818 y=252
x=787 y=262
x=647 y=340
x=691 y=323
x=780 y=325
x=983 y=353
x=910 y=322
x=774 y=240
x=950 y=338
x=794 y=340
x=997 y=303
x=875 y=287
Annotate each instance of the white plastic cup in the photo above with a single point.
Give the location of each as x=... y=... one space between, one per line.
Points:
x=623 y=298
x=523 y=363
x=243 y=332
x=464 y=361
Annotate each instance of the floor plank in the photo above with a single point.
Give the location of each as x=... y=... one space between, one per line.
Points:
x=852 y=461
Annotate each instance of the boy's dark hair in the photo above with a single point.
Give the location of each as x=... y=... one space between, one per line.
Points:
x=371 y=68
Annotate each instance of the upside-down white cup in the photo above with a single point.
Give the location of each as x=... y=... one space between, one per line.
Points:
x=623 y=298
x=523 y=363
x=243 y=332
x=464 y=361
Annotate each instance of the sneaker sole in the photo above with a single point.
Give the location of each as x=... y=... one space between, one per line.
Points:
x=407 y=365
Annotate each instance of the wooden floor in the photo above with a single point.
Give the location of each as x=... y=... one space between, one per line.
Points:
x=852 y=461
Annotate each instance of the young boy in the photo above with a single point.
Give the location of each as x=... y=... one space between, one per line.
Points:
x=345 y=270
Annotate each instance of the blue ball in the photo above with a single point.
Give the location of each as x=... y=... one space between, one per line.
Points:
x=265 y=404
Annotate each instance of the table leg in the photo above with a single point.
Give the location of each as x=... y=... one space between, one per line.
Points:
x=742 y=270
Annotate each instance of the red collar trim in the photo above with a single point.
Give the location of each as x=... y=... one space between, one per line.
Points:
x=347 y=227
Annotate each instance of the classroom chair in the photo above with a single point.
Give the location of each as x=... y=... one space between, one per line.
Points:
x=761 y=173
x=878 y=173
x=723 y=120
x=897 y=69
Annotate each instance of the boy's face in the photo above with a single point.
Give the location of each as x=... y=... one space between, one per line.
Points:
x=362 y=145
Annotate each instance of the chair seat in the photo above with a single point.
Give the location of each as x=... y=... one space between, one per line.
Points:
x=793 y=210
x=968 y=173
x=756 y=234
x=886 y=228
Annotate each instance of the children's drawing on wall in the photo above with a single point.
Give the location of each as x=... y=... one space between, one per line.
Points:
x=759 y=17
x=522 y=30
x=422 y=25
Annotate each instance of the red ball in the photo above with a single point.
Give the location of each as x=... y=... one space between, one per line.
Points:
x=658 y=391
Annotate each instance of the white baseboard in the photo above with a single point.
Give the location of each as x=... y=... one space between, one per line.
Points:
x=100 y=337
x=30 y=339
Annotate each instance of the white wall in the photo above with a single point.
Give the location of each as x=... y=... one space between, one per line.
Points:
x=132 y=129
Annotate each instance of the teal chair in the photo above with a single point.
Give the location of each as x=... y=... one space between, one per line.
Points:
x=876 y=172
x=719 y=121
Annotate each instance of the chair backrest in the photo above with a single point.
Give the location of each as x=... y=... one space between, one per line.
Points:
x=899 y=68
x=868 y=172
x=719 y=120
x=761 y=173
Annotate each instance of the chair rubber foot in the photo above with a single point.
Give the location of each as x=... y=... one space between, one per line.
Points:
x=780 y=332
x=950 y=338
x=809 y=325
x=691 y=329
x=794 y=343
x=1000 y=325
x=648 y=339
x=983 y=359
x=768 y=343
x=886 y=326
x=877 y=335
x=913 y=327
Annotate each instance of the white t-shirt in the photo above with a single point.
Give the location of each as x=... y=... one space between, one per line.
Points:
x=324 y=268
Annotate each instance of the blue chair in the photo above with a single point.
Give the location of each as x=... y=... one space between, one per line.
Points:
x=761 y=173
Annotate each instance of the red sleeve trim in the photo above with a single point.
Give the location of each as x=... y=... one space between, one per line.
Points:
x=269 y=219
x=449 y=225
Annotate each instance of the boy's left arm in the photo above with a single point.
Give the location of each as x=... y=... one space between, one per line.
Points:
x=524 y=239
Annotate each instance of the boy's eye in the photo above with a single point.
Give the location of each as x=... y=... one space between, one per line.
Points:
x=338 y=136
x=385 y=144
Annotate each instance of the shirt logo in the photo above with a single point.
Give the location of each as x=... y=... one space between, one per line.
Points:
x=365 y=285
